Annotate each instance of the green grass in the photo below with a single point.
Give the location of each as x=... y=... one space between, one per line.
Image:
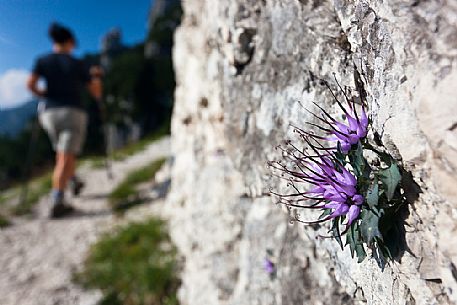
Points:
x=4 y=222
x=134 y=266
x=7 y=195
x=125 y=194
x=131 y=149
x=37 y=188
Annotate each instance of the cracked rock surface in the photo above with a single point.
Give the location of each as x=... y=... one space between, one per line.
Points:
x=241 y=66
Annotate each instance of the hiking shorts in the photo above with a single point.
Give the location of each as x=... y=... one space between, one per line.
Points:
x=66 y=128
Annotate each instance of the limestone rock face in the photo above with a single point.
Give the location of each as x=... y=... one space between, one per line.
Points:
x=241 y=67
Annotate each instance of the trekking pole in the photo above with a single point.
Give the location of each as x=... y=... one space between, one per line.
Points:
x=29 y=159
x=106 y=150
x=97 y=71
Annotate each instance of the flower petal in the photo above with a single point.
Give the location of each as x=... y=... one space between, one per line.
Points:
x=353 y=124
x=341 y=210
x=353 y=213
x=345 y=146
x=357 y=199
x=332 y=205
x=348 y=177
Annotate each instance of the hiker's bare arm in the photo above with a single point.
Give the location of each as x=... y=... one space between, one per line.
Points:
x=95 y=85
x=32 y=85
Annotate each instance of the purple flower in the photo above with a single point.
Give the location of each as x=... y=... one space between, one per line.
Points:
x=346 y=134
x=350 y=134
x=334 y=187
x=268 y=266
x=320 y=180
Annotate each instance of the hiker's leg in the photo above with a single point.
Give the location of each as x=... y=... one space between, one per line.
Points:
x=71 y=129
x=64 y=170
x=58 y=181
x=57 y=177
x=62 y=173
x=76 y=184
x=71 y=167
x=75 y=139
x=47 y=120
x=68 y=161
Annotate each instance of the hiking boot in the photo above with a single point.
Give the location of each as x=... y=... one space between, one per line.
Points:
x=76 y=186
x=60 y=208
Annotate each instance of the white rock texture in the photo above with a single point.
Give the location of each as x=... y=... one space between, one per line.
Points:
x=241 y=66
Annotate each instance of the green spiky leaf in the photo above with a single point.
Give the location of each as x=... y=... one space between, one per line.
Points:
x=378 y=255
x=390 y=178
x=373 y=194
x=357 y=160
x=336 y=231
x=369 y=227
x=350 y=240
x=353 y=239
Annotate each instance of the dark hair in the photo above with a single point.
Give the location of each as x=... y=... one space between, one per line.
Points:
x=60 y=33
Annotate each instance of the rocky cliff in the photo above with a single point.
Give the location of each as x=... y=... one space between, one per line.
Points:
x=241 y=66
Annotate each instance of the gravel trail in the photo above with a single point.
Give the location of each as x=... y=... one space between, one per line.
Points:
x=39 y=255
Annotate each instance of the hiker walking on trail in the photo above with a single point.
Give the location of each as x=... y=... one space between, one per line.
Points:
x=61 y=112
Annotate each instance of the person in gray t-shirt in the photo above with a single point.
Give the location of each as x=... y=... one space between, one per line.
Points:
x=62 y=114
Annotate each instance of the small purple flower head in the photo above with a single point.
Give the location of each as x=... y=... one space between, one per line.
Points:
x=345 y=134
x=350 y=134
x=334 y=187
x=269 y=266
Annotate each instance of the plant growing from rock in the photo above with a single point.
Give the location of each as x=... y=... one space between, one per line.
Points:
x=269 y=264
x=335 y=169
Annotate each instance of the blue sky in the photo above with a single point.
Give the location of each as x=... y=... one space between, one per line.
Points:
x=23 y=32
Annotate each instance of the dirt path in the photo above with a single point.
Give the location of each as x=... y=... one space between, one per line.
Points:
x=38 y=256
